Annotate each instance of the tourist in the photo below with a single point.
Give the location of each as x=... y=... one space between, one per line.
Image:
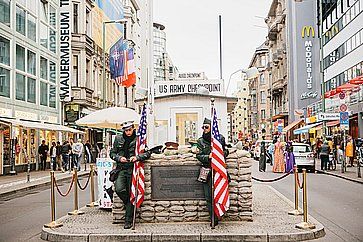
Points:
x=43 y=153
x=289 y=157
x=279 y=164
x=77 y=150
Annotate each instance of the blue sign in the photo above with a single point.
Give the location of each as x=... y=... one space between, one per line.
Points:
x=344 y=118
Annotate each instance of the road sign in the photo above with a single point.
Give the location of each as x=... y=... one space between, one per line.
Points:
x=328 y=116
x=343 y=107
x=344 y=118
x=342 y=95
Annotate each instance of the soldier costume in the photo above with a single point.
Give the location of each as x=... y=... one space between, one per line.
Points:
x=204 y=147
x=123 y=152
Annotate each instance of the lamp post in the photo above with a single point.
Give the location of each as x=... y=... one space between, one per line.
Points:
x=250 y=73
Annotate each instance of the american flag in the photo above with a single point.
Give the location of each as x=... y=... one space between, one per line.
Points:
x=220 y=182
x=138 y=176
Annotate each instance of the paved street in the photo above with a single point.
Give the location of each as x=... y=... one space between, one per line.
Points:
x=21 y=218
x=334 y=202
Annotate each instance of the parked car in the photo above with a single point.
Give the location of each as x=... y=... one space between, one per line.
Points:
x=304 y=156
x=257 y=148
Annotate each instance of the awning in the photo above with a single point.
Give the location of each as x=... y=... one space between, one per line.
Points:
x=38 y=125
x=333 y=123
x=306 y=128
x=357 y=80
x=347 y=87
x=292 y=125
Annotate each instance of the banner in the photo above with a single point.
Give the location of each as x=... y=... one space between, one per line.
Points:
x=104 y=166
x=65 y=50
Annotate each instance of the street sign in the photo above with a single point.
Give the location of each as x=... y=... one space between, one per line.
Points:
x=343 y=107
x=342 y=95
x=328 y=116
x=344 y=118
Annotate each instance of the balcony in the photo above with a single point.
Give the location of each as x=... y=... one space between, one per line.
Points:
x=278 y=85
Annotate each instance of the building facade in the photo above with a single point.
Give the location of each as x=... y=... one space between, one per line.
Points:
x=239 y=115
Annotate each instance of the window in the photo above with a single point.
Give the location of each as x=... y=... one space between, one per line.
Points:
x=263 y=97
x=20 y=87
x=52 y=71
x=75 y=18
x=32 y=61
x=43 y=94
x=262 y=79
x=43 y=10
x=4 y=82
x=43 y=68
x=52 y=96
x=32 y=28
x=20 y=58
x=20 y=20
x=5 y=12
x=52 y=40
x=52 y=16
x=75 y=71
x=263 y=114
x=31 y=96
x=43 y=35
x=4 y=51
x=88 y=24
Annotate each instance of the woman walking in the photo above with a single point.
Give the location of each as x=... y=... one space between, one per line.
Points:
x=279 y=164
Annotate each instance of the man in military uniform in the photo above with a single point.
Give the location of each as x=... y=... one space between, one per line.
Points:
x=123 y=152
x=204 y=156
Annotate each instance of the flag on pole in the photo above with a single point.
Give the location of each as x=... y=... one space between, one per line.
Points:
x=138 y=175
x=220 y=181
x=130 y=75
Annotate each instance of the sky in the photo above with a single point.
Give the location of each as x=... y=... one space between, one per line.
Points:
x=192 y=36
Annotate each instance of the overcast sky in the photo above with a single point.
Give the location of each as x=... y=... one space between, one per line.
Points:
x=192 y=33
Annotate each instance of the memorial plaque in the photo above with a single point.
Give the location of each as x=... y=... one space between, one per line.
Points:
x=176 y=183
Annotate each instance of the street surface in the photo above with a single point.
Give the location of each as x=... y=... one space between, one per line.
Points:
x=22 y=218
x=334 y=202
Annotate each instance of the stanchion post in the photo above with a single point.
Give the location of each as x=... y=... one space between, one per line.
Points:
x=296 y=211
x=52 y=224
x=75 y=211
x=93 y=203
x=305 y=224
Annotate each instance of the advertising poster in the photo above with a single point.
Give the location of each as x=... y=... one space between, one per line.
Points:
x=104 y=166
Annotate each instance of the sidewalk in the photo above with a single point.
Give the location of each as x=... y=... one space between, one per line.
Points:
x=350 y=174
x=270 y=223
x=11 y=184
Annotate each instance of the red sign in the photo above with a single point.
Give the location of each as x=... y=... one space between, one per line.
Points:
x=342 y=95
x=343 y=108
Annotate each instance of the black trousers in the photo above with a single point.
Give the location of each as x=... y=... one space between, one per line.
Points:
x=122 y=189
x=324 y=162
x=43 y=162
x=207 y=187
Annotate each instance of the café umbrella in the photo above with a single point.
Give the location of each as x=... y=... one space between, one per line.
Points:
x=109 y=118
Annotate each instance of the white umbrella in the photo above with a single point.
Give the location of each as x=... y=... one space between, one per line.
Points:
x=109 y=118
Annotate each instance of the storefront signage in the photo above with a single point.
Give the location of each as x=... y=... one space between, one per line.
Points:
x=72 y=113
x=308 y=31
x=47 y=118
x=25 y=115
x=307 y=95
x=4 y=112
x=199 y=76
x=177 y=87
x=328 y=116
x=65 y=48
x=104 y=166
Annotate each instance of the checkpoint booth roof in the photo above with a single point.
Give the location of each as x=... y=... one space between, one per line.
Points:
x=109 y=118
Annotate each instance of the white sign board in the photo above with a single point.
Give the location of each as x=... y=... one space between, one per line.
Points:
x=188 y=75
x=104 y=166
x=163 y=88
x=328 y=116
x=65 y=48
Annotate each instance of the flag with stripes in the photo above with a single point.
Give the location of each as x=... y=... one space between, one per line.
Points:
x=220 y=181
x=138 y=175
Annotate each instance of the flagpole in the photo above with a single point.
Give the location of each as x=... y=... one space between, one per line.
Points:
x=136 y=195
x=212 y=173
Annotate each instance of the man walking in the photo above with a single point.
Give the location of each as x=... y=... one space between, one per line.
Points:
x=204 y=156
x=66 y=151
x=43 y=153
x=59 y=157
x=123 y=152
x=77 y=150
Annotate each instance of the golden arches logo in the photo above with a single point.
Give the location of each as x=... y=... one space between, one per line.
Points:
x=307 y=30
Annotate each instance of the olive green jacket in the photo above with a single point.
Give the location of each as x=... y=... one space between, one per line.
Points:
x=204 y=148
x=117 y=152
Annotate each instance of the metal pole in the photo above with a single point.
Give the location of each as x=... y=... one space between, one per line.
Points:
x=220 y=47
x=104 y=63
x=75 y=211
x=53 y=223
x=136 y=195
x=93 y=203
x=212 y=181
x=322 y=62
x=344 y=152
x=296 y=211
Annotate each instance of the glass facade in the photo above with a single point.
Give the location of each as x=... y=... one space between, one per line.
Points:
x=4 y=51
x=4 y=82
x=5 y=12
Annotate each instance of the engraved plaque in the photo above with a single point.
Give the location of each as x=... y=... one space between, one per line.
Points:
x=176 y=183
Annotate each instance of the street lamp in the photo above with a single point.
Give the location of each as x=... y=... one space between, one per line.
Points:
x=250 y=74
x=104 y=55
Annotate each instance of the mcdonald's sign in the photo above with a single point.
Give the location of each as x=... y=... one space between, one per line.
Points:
x=308 y=31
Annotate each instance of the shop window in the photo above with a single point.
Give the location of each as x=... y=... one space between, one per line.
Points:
x=52 y=96
x=20 y=58
x=5 y=12
x=20 y=87
x=43 y=35
x=32 y=62
x=20 y=20
x=4 y=82
x=31 y=95
x=4 y=51
x=32 y=28
x=43 y=94
x=43 y=68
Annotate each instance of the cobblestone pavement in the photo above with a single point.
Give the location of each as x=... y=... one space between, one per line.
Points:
x=269 y=213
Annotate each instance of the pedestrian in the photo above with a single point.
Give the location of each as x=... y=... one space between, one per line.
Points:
x=59 y=157
x=53 y=156
x=318 y=145
x=204 y=156
x=43 y=153
x=262 y=160
x=289 y=157
x=279 y=164
x=324 y=156
x=123 y=152
x=349 y=152
x=66 y=152
x=271 y=150
x=87 y=152
x=77 y=150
